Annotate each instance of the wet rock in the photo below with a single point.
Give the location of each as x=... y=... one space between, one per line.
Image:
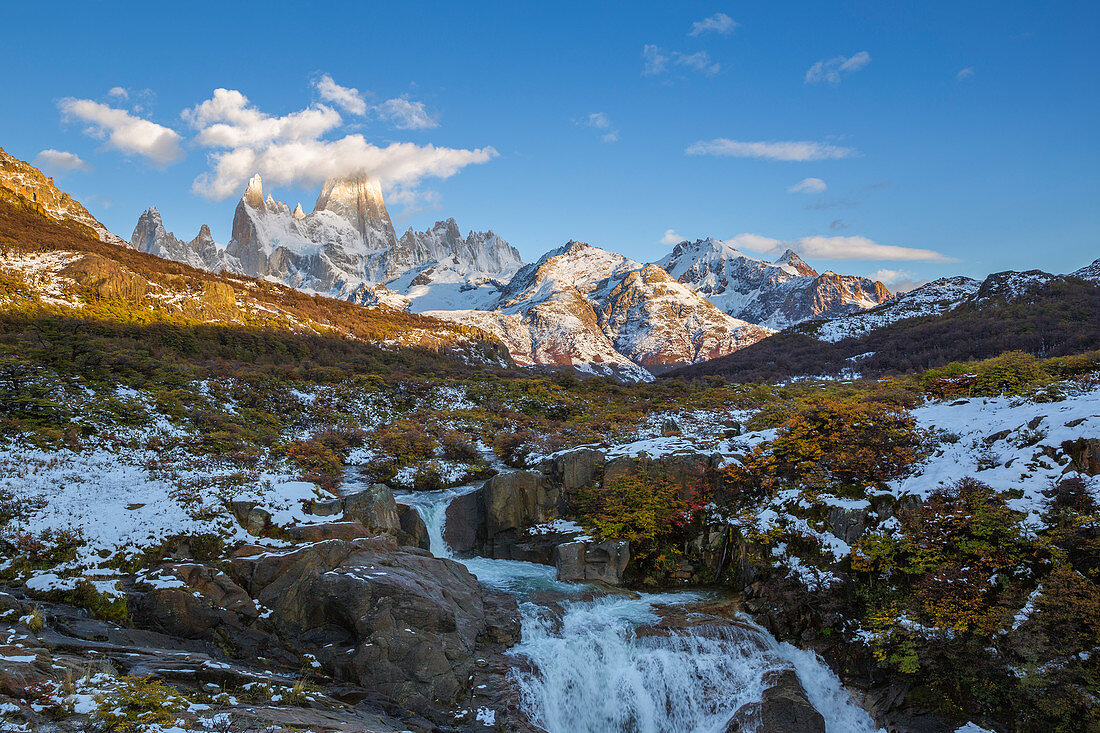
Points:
x=414 y=532
x=464 y=530
x=584 y=561
x=395 y=620
x=783 y=709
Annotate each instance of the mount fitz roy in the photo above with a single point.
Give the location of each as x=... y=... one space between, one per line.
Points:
x=577 y=306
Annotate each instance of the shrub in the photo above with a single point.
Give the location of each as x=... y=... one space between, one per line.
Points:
x=137 y=703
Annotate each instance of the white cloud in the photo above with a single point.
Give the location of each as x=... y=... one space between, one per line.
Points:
x=289 y=150
x=228 y=120
x=671 y=237
x=718 y=23
x=123 y=131
x=59 y=160
x=890 y=276
x=118 y=93
x=837 y=248
x=406 y=114
x=346 y=98
x=600 y=121
x=965 y=73
x=791 y=150
x=832 y=70
x=657 y=61
x=808 y=185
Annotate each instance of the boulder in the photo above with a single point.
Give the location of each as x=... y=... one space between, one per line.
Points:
x=209 y=601
x=414 y=533
x=395 y=620
x=576 y=468
x=328 y=531
x=590 y=561
x=517 y=500
x=255 y=519
x=464 y=529
x=784 y=708
x=847 y=524
x=1084 y=454
x=375 y=508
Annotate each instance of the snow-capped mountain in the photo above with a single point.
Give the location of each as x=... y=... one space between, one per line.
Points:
x=930 y=299
x=772 y=294
x=347 y=248
x=26 y=181
x=601 y=312
x=150 y=236
x=1089 y=272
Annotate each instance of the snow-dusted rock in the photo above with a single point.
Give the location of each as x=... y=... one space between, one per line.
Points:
x=150 y=236
x=772 y=294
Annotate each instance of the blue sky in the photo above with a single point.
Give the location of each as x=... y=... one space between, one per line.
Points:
x=966 y=134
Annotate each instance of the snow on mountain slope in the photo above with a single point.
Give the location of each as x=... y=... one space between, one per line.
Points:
x=772 y=294
x=1089 y=272
x=25 y=180
x=201 y=252
x=930 y=299
x=602 y=312
x=658 y=322
x=346 y=247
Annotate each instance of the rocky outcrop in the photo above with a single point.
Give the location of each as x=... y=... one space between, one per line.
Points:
x=772 y=294
x=397 y=621
x=26 y=181
x=784 y=708
x=107 y=278
x=604 y=562
x=1084 y=453
x=151 y=237
x=576 y=468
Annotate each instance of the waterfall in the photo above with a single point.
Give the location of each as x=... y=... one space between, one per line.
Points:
x=590 y=671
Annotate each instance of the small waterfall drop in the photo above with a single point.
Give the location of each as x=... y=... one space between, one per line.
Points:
x=592 y=673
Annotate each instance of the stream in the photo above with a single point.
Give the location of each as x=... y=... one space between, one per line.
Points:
x=594 y=673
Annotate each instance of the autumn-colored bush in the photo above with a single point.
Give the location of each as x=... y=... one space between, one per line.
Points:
x=830 y=441
x=406 y=441
x=641 y=505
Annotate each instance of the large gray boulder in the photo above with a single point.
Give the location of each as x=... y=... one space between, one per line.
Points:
x=395 y=620
x=784 y=708
x=591 y=561
x=517 y=500
x=576 y=468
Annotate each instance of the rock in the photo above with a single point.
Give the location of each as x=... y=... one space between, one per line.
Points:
x=107 y=278
x=783 y=709
x=414 y=532
x=464 y=529
x=328 y=531
x=518 y=500
x=255 y=519
x=847 y=524
x=1085 y=454
x=395 y=620
x=375 y=508
x=588 y=561
x=576 y=468
x=210 y=600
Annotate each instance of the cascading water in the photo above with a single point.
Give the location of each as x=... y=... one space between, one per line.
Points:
x=592 y=673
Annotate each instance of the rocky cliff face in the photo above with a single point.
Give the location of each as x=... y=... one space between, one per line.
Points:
x=773 y=294
x=28 y=182
x=604 y=313
x=150 y=236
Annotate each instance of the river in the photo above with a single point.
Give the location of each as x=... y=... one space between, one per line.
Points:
x=593 y=673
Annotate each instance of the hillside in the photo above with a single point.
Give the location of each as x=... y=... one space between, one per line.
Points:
x=1041 y=314
x=59 y=275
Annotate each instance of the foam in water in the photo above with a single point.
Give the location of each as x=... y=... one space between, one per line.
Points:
x=593 y=674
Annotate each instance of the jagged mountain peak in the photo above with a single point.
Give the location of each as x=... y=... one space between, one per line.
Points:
x=791 y=259
x=358 y=199
x=254 y=192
